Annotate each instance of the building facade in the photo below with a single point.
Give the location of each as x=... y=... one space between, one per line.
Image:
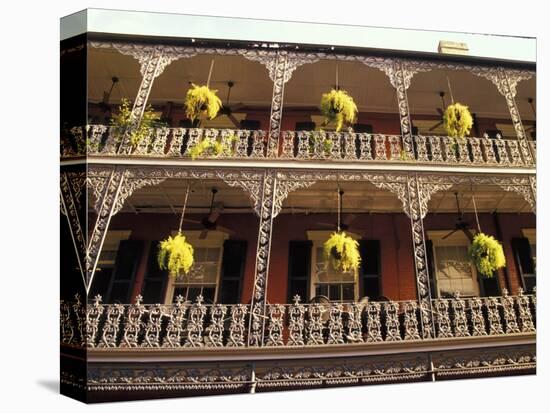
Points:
x=260 y=309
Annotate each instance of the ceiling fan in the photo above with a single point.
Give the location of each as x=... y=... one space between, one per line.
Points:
x=460 y=224
x=227 y=110
x=104 y=104
x=440 y=111
x=209 y=222
x=341 y=224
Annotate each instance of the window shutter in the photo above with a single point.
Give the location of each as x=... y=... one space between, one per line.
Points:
x=154 y=283
x=524 y=262
x=299 y=269
x=431 y=266
x=369 y=272
x=126 y=264
x=233 y=261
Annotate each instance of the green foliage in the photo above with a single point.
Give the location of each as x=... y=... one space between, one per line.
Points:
x=326 y=142
x=175 y=255
x=122 y=123
x=211 y=147
x=337 y=106
x=487 y=254
x=201 y=101
x=457 y=120
x=342 y=252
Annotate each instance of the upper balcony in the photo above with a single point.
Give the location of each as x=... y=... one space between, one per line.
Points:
x=276 y=117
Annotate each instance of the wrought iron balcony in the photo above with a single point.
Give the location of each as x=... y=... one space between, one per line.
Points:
x=187 y=326
x=100 y=140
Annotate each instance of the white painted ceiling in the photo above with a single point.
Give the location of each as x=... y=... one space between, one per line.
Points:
x=369 y=87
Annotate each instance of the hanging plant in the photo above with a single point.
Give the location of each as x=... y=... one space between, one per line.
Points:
x=487 y=254
x=342 y=252
x=457 y=120
x=201 y=101
x=337 y=106
x=175 y=255
x=121 y=123
x=211 y=147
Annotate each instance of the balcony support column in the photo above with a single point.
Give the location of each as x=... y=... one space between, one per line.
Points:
x=72 y=186
x=416 y=209
x=278 y=74
x=263 y=250
x=273 y=192
x=401 y=80
x=508 y=82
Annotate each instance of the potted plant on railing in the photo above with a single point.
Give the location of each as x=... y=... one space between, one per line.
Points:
x=211 y=147
x=337 y=106
x=319 y=139
x=122 y=124
x=487 y=254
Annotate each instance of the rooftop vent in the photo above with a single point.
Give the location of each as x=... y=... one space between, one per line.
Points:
x=448 y=47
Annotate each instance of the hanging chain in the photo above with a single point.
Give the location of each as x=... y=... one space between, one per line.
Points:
x=450 y=90
x=183 y=209
x=340 y=193
x=475 y=209
x=210 y=73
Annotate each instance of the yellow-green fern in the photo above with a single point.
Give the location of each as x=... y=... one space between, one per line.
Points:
x=122 y=124
x=211 y=147
x=342 y=252
x=487 y=254
x=337 y=106
x=175 y=255
x=457 y=120
x=200 y=101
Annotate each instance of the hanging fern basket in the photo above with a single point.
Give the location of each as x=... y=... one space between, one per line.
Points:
x=175 y=255
x=487 y=254
x=337 y=106
x=201 y=101
x=457 y=120
x=342 y=252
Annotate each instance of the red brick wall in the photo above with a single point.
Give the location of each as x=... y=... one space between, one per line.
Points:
x=392 y=230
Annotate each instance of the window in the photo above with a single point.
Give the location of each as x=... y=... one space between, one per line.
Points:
x=325 y=280
x=453 y=269
x=525 y=251
x=204 y=277
x=104 y=284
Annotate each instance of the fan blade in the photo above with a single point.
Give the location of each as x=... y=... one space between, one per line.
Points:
x=327 y=224
x=203 y=234
x=349 y=218
x=226 y=230
x=449 y=234
x=436 y=126
x=192 y=221
x=234 y=120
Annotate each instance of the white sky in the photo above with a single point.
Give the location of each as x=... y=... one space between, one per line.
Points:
x=179 y=25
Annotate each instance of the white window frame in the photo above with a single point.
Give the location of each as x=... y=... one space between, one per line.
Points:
x=318 y=238
x=458 y=239
x=213 y=239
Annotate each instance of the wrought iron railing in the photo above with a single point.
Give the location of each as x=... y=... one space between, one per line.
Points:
x=290 y=145
x=188 y=325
